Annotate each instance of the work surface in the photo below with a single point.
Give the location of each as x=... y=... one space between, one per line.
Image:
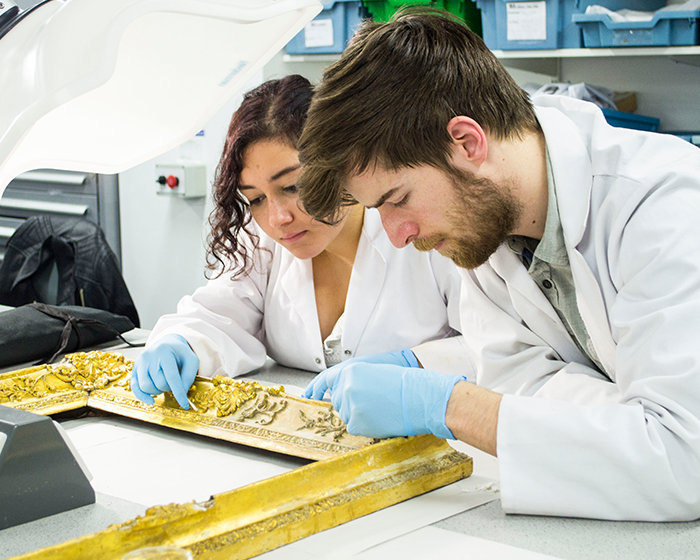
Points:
x=135 y=466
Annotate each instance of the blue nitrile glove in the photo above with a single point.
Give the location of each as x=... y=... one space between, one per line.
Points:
x=169 y=364
x=318 y=387
x=386 y=400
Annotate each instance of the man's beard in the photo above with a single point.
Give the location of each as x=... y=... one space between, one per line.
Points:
x=483 y=216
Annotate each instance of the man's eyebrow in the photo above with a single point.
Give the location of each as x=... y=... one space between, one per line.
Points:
x=285 y=171
x=384 y=197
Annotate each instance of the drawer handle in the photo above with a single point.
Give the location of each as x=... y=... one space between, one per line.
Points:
x=42 y=206
x=53 y=177
x=7 y=231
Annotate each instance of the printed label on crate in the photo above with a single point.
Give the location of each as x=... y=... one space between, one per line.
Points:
x=319 y=33
x=527 y=21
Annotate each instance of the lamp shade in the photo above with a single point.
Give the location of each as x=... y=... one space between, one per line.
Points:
x=103 y=85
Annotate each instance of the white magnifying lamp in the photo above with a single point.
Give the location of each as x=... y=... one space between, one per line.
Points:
x=100 y=86
x=103 y=85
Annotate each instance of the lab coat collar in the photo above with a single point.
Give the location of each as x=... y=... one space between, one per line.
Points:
x=298 y=284
x=508 y=265
x=573 y=181
x=367 y=280
x=570 y=159
x=296 y=280
x=372 y=227
x=366 y=283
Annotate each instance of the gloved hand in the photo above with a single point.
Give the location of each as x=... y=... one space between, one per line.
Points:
x=318 y=387
x=169 y=364
x=387 y=400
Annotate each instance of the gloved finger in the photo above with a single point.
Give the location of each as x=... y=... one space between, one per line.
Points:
x=409 y=358
x=357 y=428
x=138 y=393
x=171 y=372
x=339 y=397
x=158 y=378
x=319 y=386
x=309 y=391
x=333 y=376
x=142 y=370
x=189 y=369
x=342 y=406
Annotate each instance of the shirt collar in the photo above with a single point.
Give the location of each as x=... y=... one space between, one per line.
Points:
x=551 y=247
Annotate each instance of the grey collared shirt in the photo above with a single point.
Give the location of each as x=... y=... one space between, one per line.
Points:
x=548 y=265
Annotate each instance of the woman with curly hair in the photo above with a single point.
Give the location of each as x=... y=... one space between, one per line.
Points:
x=305 y=293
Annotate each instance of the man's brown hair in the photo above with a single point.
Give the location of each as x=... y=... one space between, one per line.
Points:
x=389 y=98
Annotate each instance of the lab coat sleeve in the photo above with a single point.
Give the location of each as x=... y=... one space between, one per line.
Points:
x=222 y=322
x=638 y=459
x=448 y=355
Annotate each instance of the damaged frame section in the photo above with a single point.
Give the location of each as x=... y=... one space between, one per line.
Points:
x=268 y=514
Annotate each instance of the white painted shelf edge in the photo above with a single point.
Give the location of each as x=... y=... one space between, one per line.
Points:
x=545 y=53
x=599 y=52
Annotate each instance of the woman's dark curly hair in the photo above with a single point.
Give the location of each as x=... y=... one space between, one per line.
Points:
x=276 y=109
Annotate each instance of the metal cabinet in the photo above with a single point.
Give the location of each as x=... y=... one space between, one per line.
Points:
x=94 y=197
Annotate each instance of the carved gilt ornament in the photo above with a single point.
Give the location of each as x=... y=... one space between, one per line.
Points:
x=259 y=517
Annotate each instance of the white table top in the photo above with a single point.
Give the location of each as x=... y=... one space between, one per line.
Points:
x=484 y=531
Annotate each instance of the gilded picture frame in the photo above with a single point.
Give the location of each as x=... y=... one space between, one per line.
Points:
x=352 y=475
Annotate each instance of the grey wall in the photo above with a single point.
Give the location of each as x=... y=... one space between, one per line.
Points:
x=163 y=251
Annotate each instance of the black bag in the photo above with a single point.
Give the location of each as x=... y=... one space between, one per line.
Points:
x=87 y=268
x=37 y=331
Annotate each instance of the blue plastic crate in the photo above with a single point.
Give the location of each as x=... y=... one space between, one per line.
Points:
x=666 y=28
x=520 y=25
x=628 y=120
x=330 y=31
x=542 y=24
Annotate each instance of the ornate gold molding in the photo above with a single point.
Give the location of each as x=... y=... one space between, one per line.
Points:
x=268 y=514
x=244 y=412
x=353 y=479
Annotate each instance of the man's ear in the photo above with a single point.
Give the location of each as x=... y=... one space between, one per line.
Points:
x=469 y=139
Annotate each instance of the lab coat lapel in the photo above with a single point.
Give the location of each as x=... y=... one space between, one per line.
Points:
x=530 y=303
x=573 y=180
x=366 y=282
x=593 y=312
x=298 y=285
x=571 y=166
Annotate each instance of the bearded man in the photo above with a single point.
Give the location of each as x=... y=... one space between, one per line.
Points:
x=579 y=248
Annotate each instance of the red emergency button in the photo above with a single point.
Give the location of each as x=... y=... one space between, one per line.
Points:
x=170 y=180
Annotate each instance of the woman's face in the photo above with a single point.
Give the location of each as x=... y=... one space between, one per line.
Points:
x=268 y=180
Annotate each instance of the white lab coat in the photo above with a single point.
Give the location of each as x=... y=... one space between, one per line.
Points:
x=396 y=299
x=628 y=447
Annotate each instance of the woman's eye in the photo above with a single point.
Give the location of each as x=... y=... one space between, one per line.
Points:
x=291 y=189
x=401 y=202
x=257 y=200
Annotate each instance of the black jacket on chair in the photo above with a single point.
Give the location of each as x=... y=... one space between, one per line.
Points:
x=88 y=270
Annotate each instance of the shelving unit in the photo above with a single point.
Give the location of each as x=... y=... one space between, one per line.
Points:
x=551 y=62
x=666 y=79
x=685 y=55
x=690 y=51
x=548 y=62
